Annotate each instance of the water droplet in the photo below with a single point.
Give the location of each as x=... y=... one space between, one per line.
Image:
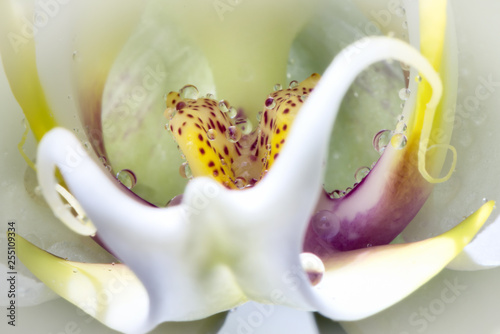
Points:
x=313 y=266
x=303 y=98
x=165 y=96
x=405 y=25
x=185 y=171
x=245 y=125
x=356 y=94
x=404 y=94
x=232 y=112
x=74 y=55
x=361 y=173
x=485 y=200
x=401 y=126
x=211 y=134
x=240 y=182
x=405 y=66
x=418 y=78
x=277 y=87
x=224 y=106
x=381 y=140
x=268 y=147
x=293 y=84
x=259 y=116
x=233 y=134
x=336 y=194
x=223 y=162
x=210 y=96
x=347 y=190
x=189 y=92
x=325 y=224
x=270 y=103
x=127 y=178
x=398 y=141
x=75 y=271
x=170 y=113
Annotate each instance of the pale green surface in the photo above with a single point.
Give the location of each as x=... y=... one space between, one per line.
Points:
x=372 y=103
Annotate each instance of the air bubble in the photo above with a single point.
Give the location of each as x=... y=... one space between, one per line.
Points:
x=233 y=134
x=398 y=141
x=127 y=178
x=404 y=94
x=270 y=103
x=224 y=106
x=313 y=266
x=361 y=173
x=185 y=171
x=381 y=140
x=189 y=92
x=211 y=134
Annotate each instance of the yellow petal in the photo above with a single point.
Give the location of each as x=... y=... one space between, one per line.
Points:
x=109 y=292
x=17 y=47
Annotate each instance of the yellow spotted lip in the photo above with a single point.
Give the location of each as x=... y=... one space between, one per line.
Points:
x=218 y=141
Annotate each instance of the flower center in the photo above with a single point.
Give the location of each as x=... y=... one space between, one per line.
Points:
x=217 y=140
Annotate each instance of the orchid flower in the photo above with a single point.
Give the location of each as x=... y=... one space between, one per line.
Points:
x=256 y=220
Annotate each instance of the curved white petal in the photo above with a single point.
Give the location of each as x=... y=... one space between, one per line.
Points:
x=475 y=136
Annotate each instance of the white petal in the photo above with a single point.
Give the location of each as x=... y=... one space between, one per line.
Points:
x=475 y=136
x=264 y=319
x=452 y=302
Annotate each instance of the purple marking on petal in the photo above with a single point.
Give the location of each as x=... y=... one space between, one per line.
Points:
x=375 y=212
